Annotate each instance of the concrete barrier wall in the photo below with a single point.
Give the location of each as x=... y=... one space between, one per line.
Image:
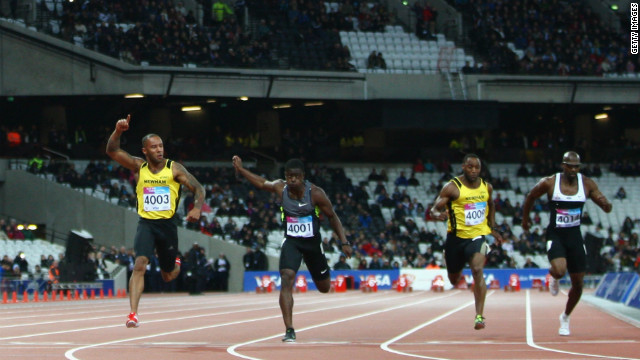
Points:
x=62 y=209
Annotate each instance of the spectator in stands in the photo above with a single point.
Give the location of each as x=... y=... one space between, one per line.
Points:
x=412 y=180
x=341 y=264
x=220 y=10
x=54 y=275
x=567 y=252
x=460 y=195
x=529 y=264
x=375 y=263
x=222 y=269
x=37 y=273
x=260 y=261
x=21 y=261
x=621 y=193
x=586 y=218
x=401 y=180
x=627 y=226
x=522 y=170
x=247 y=259
x=363 y=265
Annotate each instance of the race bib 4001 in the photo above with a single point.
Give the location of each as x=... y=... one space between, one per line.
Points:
x=567 y=217
x=156 y=198
x=300 y=226
x=475 y=213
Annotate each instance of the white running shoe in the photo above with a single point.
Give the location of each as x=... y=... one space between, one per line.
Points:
x=554 y=286
x=564 y=325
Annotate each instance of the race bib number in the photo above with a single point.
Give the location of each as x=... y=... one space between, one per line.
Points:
x=567 y=218
x=475 y=213
x=156 y=198
x=300 y=226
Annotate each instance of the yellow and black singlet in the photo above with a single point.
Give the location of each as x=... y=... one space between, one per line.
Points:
x=157 y=194
x=468 y=213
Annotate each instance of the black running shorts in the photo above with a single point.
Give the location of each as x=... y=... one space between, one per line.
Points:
x=458 y=251
x=310 y=249
x=161 y=235
x=568 y=244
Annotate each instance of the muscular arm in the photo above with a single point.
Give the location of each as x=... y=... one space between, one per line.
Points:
x=258 y=181
x=116 y=153
x=448 y=193
x=541 y=188
x=320 y=199
x=596 y=195
x=181 y=175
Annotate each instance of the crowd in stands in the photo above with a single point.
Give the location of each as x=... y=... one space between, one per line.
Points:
x=163 y=33
x=553 y=37
x=556 y=38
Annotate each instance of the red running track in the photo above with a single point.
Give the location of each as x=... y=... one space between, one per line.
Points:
x=352 y=325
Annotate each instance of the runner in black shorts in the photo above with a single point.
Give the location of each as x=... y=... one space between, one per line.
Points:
x=157 y=235
x=457 y=250
x=567 y=192
x=302 y=202
x=158 y=194
x=466 y=202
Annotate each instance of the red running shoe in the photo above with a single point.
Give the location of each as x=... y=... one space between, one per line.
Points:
x=132 y=320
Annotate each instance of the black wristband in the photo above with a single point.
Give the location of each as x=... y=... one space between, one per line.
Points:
x=345 y=244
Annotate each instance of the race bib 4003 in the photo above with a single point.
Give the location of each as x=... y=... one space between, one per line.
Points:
x=475 y=213
x=567 y=217
x=300 y=226
x=156 y=198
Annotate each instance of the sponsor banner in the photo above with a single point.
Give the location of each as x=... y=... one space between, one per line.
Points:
x=422 y=278
x=606 y=284
x=40 y=285
x=621 y=286
x=384 y=278
x=634 y=296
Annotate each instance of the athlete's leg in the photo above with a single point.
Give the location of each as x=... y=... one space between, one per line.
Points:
x=480 y=287
x=558 y=267
x=169 y=276
x=577 y=284
x=323 y=285
x=136 y=282
x=287 y=277
x=454 y=277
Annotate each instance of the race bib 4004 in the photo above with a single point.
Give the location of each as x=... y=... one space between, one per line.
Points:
x=300 y=226
x=156 y=198
x=567 y=217
x=475 y=213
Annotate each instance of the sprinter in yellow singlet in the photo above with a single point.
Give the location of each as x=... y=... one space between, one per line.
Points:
x=466 y=202
x=158 y=192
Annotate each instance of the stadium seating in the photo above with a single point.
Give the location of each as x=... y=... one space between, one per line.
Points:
x=404 y=52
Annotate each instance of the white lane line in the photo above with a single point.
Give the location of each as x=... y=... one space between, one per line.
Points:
x=72 y=308
x=385 y=345
x=152 y=321
x=69 y=354
x=232 y=349
x=215 y=306
x=531 y=343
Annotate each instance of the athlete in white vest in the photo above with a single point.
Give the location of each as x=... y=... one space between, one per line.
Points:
x=567 y=192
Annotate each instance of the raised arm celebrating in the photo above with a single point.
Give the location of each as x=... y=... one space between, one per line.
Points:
x=116 y=153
